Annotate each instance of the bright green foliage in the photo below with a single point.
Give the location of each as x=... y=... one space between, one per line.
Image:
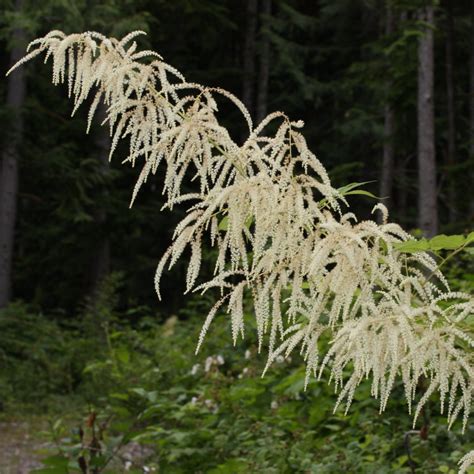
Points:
x=437 y=243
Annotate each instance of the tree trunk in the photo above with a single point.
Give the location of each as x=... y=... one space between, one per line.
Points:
x=451 y=150
x=16 y=86
x=100 y=264
x=402 y=191
x=388 y=160
x=264 y=70
x=427 y=199
x=471 y=114
x=249 y=56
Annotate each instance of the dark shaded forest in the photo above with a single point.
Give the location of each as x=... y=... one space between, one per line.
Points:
x=386 y=91
x=347 y=68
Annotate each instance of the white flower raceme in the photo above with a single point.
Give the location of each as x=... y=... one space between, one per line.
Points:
x=281 y=235
x=466 y=462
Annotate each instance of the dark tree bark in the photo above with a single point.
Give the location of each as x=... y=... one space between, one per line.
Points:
x=471 y=113
x=264 y=65
x=388 y=160
x=100 y=264
x=248 y=82
x=451 y=149
x=427 y=199
x=16 y=86
x=402 y=190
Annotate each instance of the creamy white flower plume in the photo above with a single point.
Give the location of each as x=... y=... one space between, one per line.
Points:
x=466 y=462
x=281 y=234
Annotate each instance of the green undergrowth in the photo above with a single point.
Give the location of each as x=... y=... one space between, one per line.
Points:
x=215 y=413
x=107 y=387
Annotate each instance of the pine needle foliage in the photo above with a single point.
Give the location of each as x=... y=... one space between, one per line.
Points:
x=281 y=232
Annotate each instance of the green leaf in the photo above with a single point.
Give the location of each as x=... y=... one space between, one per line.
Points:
x=349 y=187
x=51 y=470
x=363 y=193
x=224 y=223
x=54 y=465
x=98 y=461
x=401 y=460
x=139 y=391
x=447 y=242
x=151 y=396
x=232 y=465
x=292 y=384
x=56 y=461
x=249 y=221
x=95 y=366
x=412 y=246
x=57 y=424
x=119 y=396
x=245 y=393
x=122 y=355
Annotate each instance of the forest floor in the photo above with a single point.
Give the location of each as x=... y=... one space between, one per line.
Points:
x=20 y=442
x=22 y=446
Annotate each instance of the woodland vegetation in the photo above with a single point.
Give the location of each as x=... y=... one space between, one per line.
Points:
x=386 y=93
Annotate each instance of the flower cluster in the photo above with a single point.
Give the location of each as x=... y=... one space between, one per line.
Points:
x=466 y=462
x=280 y=229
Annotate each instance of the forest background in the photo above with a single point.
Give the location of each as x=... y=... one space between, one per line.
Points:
x=81 y=328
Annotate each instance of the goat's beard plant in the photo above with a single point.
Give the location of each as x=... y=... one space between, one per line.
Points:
x=281 y=235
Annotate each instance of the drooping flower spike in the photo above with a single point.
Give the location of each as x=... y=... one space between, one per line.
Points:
x=280 y=230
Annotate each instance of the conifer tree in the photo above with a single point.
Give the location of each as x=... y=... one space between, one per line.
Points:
x=9 y=164
x=427 y=195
